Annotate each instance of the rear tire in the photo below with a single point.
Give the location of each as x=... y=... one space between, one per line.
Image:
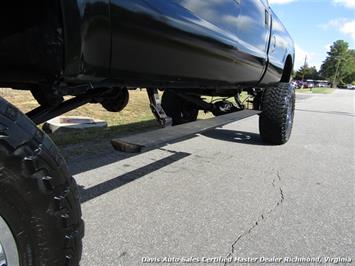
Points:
x=39 y=200
x=180 y=110
x=276 y=119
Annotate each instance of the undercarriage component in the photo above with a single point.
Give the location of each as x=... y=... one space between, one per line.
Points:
x=217 y=108
x=44 y=113
x=225 y=107
x=157 y=109
x=179 y=109
x=257 y=99
x=45 y=96
x=115 y=100
x=197 y=101
x=238 y=101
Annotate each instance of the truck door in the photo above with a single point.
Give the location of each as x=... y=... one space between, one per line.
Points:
x=254 y=33
x=222 y=14
x=176 y=39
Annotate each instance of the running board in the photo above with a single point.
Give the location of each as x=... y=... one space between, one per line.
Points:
x=144 y=141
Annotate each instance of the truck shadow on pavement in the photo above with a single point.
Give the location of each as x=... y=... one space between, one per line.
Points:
x=112 y=184
x=100 y=189
x=94 y=159
x=240 y=137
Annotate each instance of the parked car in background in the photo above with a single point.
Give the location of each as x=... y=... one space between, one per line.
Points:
x=308 y=84
x=349 y=86
x=322 y=84
x=346 y=86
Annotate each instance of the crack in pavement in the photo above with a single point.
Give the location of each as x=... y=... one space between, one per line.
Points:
x=278 y=175
x=262 y=217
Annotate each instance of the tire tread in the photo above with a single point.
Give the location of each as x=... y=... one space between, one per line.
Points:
x=273 y=119
x=31 y=163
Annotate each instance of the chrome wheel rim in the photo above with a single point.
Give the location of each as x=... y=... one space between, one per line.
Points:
x=8 y=248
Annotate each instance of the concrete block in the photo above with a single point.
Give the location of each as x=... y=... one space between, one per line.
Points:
x=63 y=124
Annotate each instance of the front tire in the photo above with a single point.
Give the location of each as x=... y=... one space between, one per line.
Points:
x=276 y=119
x=39 y=200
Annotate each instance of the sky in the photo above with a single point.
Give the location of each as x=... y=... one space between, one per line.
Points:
x=315 y=24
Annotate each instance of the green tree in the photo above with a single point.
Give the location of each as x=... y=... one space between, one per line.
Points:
x=339 y=66
x=307 y=72
x=350 y=78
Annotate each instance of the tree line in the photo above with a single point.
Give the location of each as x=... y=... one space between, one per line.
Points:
x=337 y=68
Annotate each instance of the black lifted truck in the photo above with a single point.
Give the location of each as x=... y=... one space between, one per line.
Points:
x=99 y=50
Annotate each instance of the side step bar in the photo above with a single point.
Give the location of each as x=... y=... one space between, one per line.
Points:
x=145 y=141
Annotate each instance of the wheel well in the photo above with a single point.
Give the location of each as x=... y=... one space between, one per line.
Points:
x=286 y=75
x=31 y=44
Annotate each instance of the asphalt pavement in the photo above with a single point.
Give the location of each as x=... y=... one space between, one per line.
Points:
x=225 y=196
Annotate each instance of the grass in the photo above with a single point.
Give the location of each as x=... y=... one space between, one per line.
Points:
x=136 y=111
x=316 y=90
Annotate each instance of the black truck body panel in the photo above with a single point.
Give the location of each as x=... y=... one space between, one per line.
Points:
x=165 y=43
x=31 y=41
x=87 y=39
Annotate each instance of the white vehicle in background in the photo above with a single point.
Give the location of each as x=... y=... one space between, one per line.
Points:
x=322 y=84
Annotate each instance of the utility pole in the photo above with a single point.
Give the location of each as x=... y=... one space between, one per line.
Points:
x=304 y=70
x=336 y=73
